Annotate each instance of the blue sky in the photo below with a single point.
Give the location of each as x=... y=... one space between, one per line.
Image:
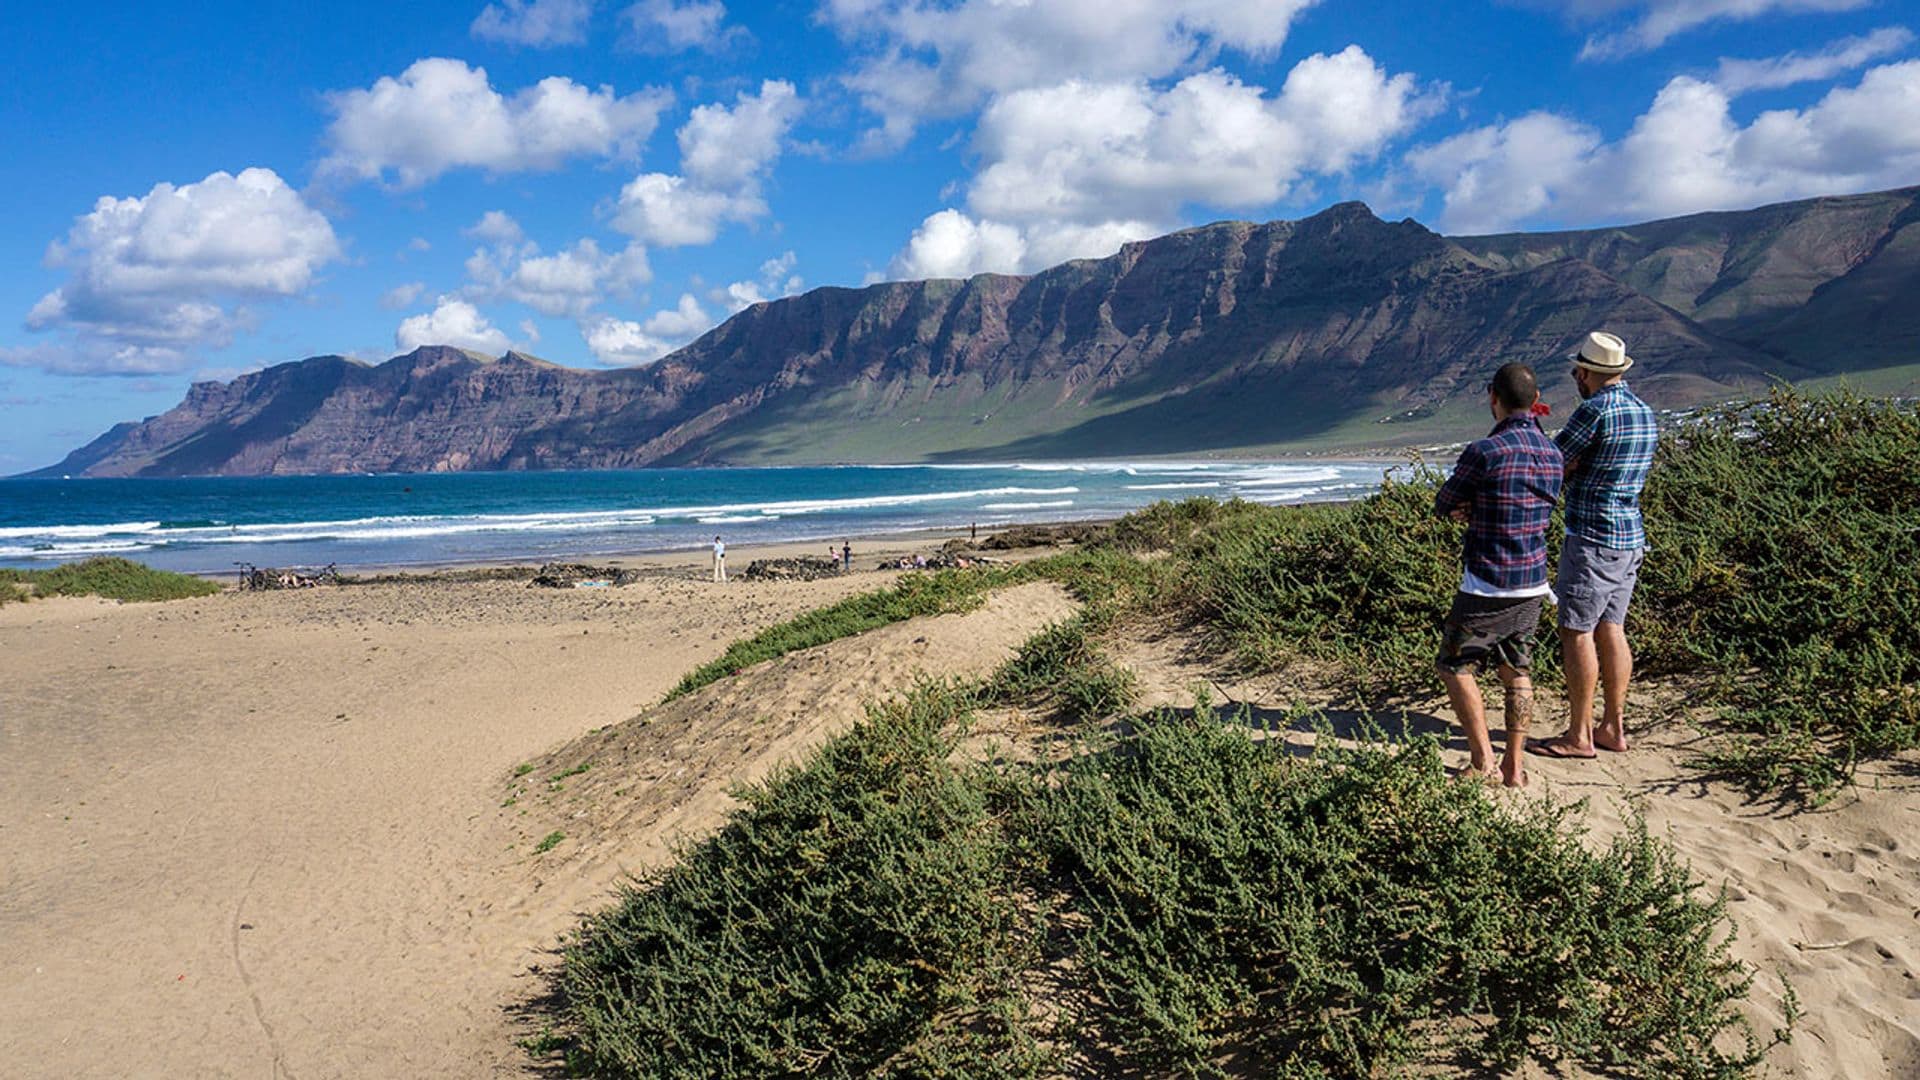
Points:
x=199 y=190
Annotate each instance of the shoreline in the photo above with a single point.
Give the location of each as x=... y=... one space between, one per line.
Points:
x=209 y=527
x=866 y=548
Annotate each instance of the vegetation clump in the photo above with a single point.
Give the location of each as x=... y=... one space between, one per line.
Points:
x=851 y=920
x=1355 y=913
x=1064 y=667
x=1185 y=896
x=1785 y=569
x=912 y=596
x=109 y=577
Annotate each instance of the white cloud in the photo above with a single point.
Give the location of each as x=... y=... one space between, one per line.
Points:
x=777 y=279
x=451 y=322
x=684 y=322
x=1081 y=151
x=949 y=244
x=1074 y=170
x=1684 y=154
x=440 y=114
x=924 y=59
x=569 y=282
x=669 y=211
x=1496 y=176
x=1658 y=21
x=725 y=147
x=496 y=227
x=1846 y=54
x=96 y=357
x=402 y=295
x=725 y=153
x=150 y=277
x=535 y=23
x=661 y=26
x=621 y=341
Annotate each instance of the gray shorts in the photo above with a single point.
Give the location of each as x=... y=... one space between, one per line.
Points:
x=1596 y=583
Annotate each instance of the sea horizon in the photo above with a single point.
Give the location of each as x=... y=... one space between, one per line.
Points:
x=210 y=525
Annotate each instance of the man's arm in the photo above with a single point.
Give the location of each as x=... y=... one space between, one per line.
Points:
x=1455 y=497
x=1574 y=440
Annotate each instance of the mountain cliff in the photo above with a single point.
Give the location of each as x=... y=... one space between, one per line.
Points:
x=1338 y=328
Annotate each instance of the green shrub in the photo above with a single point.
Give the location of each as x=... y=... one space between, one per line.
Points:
x=1783 y=564
x=112 y=578
x=1184 y=896
x=1169 y=525
x=1347 y=914
x=913 y=595
x=1363 y=585
x=850 y=921
x=1064 y=667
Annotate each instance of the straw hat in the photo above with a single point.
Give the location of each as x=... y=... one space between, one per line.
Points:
x=1604 y=353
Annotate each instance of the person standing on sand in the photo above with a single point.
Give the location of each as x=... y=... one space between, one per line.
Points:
x=1608 y=443
x=719 y=559
x=846 y=556
x=1503 y=488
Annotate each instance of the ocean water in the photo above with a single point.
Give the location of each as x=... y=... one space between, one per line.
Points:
x=208 y=525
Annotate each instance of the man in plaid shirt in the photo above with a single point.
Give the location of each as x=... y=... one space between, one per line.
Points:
x=1503 y=488
x=1609 y=443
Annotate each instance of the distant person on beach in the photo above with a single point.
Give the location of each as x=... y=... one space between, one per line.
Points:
x=846 y=556
x=719 y=559
x=1503 y=488
x=1608 y=443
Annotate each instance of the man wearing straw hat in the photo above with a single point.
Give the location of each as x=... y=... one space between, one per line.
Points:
x=1608 y=443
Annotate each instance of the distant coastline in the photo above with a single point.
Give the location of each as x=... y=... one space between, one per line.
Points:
x=211 y=525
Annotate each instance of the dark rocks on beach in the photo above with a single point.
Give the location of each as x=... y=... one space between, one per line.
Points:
x=804 y=568
x=578 y=575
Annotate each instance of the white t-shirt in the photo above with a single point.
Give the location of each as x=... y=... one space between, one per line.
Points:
x=719 y=549
x=1471 y=584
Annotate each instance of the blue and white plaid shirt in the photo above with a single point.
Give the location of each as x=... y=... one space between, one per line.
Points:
x=1608 y=442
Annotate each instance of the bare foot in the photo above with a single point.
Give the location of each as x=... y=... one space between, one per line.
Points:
x=1514 y=778
x=1612 y=739
x=1468 y=772
x=1560 y=747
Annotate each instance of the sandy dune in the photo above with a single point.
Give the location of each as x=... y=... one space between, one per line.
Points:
x=262 y=834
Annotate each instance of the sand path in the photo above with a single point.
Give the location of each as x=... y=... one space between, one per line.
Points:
x=262 y=835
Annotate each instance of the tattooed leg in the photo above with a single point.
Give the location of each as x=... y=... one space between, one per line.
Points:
x=1519 y=719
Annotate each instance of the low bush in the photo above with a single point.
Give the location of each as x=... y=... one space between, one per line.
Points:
x=112 y=578
x=1357 y=914
x=1363 y=585
x=1185 y=896
x=850 y=921
x=913 y=595
x=1783 y=565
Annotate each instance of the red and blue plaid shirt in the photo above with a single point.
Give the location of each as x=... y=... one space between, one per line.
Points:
x=1508 y=482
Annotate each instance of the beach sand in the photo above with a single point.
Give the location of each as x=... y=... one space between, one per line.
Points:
x=262 y=834
x=294 y=834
